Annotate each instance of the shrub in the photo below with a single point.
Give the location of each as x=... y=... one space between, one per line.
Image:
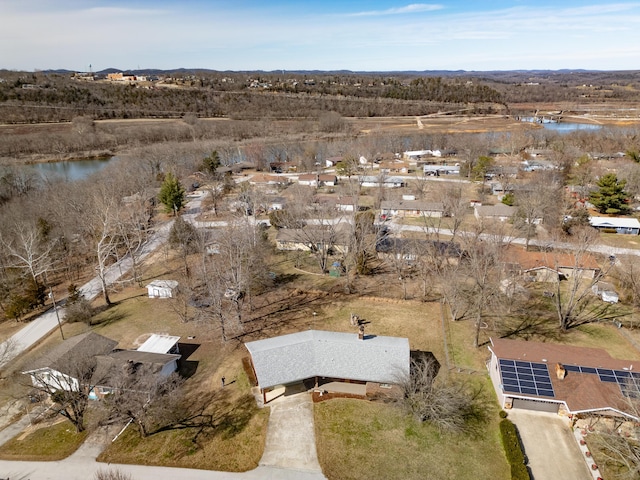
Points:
x=79 y=311
x=112 y=474
x=503 y=414
x=513 y=450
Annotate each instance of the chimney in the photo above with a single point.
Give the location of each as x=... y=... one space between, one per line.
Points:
x=361 y=332
x=560 y=371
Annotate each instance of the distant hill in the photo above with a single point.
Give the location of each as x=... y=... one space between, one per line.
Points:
x=439 y=73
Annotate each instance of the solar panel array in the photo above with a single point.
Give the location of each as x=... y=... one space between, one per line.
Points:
x=629 y=382
x=529 y=378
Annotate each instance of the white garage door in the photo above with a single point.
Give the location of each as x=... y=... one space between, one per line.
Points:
x=537 y=405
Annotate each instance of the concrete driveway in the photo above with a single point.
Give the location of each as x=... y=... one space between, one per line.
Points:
x=550 y=446
x=291 y=439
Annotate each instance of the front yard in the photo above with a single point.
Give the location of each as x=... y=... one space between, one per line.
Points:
x=361 y=440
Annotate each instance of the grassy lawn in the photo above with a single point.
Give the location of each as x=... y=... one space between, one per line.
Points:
x=44 y=444
x=232 y=441
x=361 y=440
x=620 y=241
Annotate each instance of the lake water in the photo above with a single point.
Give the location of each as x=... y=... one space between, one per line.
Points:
x=71 y=171
x=571 y=127
x=563 y=127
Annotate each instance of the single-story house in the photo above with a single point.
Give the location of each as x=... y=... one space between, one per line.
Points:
x=341 y=203
x=551 y=266
x=437 y=170
x=110 y=368
x=382 y=181
x=417 y=154
x=61 y=368
x=411 y=208
x=162 y=288
x=410 y=249
x=263 y=179
x=394 y=167
x=315 y=180
x=311 y=238
x=329 y=357
x=562 y=379
x=88 y=362
x=623 y=225
x=275 y=203
x=500 y=212
x=283 y=167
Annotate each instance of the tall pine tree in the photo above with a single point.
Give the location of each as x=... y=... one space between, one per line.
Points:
x=610 y=197
x=172 y=194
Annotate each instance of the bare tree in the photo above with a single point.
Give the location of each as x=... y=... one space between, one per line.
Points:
x=140 y=395
x=400 y=258
x=536 y=202
x=184 y=237
x=233 y=274
x=103 y=230
x=29 y=248
x=455 y=206
x=627 y=271
x=574 y=301
x=8 y=350
x=620 y=452
x=317 y=226
x=482 y=263
x=451 y=406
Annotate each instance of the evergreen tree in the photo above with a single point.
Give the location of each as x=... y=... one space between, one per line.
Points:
x=172 y=194
x=611 y=197
x=508 y=199
x=211 y=163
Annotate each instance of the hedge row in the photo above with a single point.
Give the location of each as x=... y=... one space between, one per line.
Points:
x=513 y=450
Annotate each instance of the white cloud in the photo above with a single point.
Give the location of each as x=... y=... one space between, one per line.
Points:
x=412 y=8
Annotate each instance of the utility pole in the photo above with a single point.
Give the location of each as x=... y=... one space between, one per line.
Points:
x=55 y=309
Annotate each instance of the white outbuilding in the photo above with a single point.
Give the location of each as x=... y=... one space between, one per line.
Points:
x=162 y=288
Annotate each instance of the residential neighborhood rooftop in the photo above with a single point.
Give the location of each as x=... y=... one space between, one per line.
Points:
x=589 y=384
x=290 y=358
x=529 y=260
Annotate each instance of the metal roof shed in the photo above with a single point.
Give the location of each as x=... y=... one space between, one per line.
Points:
x=160 y=344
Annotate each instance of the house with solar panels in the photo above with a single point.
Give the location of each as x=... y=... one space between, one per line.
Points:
x=563 y=379
x=333 y=361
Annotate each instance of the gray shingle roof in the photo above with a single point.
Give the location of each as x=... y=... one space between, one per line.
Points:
x=80 y=346
x=297 y=356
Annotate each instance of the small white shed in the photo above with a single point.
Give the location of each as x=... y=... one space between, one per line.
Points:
x=606 y=292
x=162 y=288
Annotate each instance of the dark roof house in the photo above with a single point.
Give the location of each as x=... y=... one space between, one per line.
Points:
x=562 y=378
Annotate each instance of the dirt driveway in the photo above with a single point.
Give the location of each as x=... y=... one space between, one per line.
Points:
x=550 y=446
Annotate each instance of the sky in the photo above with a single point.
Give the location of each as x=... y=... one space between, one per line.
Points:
x=375 y=35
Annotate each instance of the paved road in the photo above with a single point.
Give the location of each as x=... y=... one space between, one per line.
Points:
x=78 y=467
x=604 y=249
x=550 y=446
x=44 y=324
